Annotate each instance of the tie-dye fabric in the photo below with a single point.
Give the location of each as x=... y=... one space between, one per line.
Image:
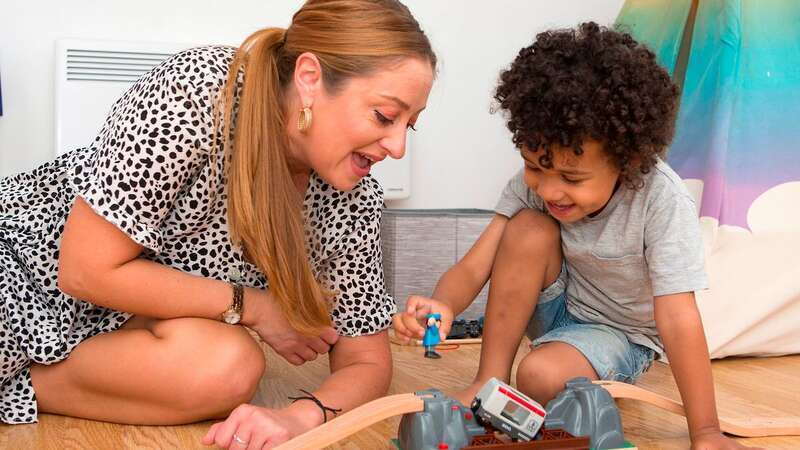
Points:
x=736 y=129
x=737 y=147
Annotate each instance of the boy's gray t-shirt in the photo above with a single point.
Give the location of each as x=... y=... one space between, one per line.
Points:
x=644 y=243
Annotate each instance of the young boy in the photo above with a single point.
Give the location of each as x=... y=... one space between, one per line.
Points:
x=595 y=249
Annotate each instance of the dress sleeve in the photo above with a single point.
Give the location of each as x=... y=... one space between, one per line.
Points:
x=154 y=142
x=355 y=274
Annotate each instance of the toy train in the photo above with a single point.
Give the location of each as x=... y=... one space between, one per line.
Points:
x=508 y=410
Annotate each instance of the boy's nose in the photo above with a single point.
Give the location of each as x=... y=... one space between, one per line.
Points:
x=548 y=192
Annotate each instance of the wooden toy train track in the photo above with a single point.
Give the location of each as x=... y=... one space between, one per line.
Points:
x=744 y=427
x=355 y=420
x=394 y=405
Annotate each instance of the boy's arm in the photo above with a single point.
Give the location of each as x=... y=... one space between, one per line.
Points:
x=681 y=329
x=456 y=288
x=459 y=286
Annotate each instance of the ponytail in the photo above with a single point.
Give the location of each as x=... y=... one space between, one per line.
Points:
x=264 y=207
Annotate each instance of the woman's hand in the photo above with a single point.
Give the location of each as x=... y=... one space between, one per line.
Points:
x=254 y=428
x=263 y=315
x=409 y=324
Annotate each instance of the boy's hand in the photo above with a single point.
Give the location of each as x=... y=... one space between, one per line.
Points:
x=411 y=322
x=717 y=441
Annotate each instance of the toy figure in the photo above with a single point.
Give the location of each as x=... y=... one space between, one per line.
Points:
x=434 y=320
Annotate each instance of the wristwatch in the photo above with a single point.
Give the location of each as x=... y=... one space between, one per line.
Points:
x=233 y=314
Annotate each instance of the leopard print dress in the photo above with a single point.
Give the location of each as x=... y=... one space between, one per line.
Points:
x=151 y=172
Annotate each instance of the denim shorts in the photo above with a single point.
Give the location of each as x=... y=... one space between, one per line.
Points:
x=607 y=349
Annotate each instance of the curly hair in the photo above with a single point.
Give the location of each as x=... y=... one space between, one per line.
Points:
x=590 y=83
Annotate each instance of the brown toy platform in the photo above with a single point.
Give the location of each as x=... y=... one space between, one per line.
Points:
x=552 y=439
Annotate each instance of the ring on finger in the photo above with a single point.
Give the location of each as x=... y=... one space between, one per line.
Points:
x=239 y=440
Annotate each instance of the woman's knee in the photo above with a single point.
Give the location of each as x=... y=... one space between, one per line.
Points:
x=222 y=364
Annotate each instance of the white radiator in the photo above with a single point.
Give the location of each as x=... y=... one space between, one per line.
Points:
x=92 y=74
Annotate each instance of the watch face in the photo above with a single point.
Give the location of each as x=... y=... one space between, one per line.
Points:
x=231 y=317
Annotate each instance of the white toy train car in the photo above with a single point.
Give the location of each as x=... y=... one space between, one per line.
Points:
x=508 y=410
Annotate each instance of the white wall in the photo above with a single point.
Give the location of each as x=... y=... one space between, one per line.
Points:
x=461 y=155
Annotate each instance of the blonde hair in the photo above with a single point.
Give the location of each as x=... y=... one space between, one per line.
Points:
x=350 y=38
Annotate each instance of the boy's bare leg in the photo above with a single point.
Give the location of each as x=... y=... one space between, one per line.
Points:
x=154 y=372
x=528 y=259
x=543 y=372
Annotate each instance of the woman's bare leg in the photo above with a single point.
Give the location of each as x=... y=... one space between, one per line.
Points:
x=154 y=372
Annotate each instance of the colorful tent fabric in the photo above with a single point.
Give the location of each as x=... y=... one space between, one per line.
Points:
x=737 y=146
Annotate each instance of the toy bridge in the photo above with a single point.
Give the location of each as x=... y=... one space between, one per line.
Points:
x=377 y=410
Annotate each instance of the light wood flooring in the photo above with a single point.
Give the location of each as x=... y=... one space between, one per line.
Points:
x=745 y=387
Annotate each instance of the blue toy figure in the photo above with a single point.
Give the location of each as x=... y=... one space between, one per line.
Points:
x=434 y=320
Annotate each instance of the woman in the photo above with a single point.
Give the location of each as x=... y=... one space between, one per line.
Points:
x=127 y=267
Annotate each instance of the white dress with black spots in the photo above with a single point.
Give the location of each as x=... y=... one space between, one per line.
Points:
x=150 y=172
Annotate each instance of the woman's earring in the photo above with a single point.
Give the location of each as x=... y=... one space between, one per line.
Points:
x=304 y=121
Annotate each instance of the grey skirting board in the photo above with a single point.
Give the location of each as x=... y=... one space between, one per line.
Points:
x=420 y=245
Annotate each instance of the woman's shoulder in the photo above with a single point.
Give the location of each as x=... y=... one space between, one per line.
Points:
x=369 y=192
x=198 y=68
x=365 y=198
x=210 y=57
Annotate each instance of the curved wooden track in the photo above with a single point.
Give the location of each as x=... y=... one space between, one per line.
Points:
x=746 y=427
x=355 y=420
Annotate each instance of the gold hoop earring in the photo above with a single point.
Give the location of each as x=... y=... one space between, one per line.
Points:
x=304 y=121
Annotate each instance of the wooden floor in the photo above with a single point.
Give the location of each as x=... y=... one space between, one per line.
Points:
x=745 y=387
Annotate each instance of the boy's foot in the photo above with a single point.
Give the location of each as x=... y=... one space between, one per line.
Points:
x=466 y=396
x=432 y=354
